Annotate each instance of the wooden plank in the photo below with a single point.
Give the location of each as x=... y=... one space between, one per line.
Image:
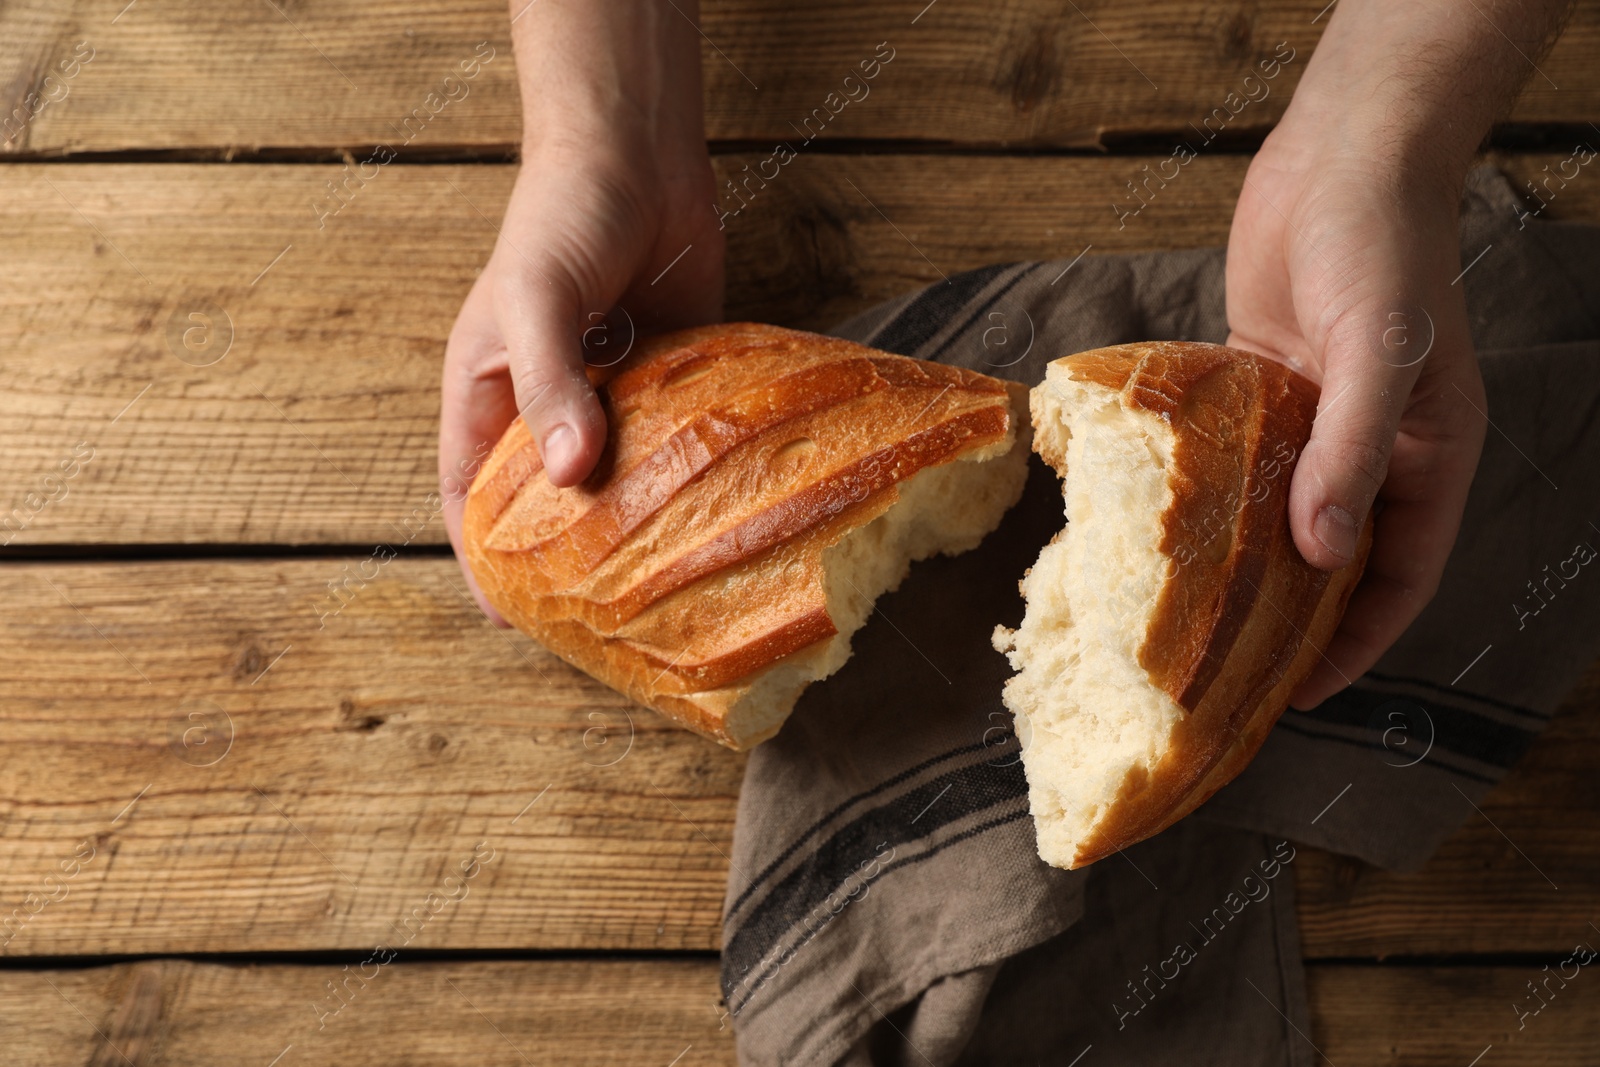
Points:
x=594 y=1012
x=1453 y=1016
x=368 y=761
x=375 y=1014
x=329 y=73
x=318 y=424
x=193 y=765
x=1524 y=875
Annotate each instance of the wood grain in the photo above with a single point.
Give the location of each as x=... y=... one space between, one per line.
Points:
x=603 y=1012
x=592 y=1013
x=1450 y=1016
x=355 y=772
x=1524 y=873
x=323 y=74
x=324 y=754
x=318 y=424
x=223 y=794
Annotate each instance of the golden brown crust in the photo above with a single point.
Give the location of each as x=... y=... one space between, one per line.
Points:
x=689 y=564
x=1242 y=617
x=1329 y=612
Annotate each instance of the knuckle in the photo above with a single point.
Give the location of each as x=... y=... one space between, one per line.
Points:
x=536 y=390
x=1354 y=466
x=1424 y=590
x=544 y=388
x=474 y=348
x=1367 y=462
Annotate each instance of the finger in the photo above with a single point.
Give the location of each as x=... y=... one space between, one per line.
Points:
x=1344 y=463
x=538 y=309
x=1432 y=466
x=476 y=406
x=1393 y=591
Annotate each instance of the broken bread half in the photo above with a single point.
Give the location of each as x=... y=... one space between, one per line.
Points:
x=759 y=489
x=1167 y=624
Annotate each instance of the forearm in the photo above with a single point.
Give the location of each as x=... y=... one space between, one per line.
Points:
x=1416 y=83
x=627 y=73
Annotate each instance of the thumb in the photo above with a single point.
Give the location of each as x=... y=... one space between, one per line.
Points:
x=537 y=309
x=1370 y=364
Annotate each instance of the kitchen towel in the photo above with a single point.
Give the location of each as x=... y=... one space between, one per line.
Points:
x=886 y=904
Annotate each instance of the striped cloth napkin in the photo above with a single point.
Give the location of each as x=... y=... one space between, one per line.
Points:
x=886 y=904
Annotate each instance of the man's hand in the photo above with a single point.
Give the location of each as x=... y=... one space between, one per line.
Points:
x=610 y=231
x=1348 y=281
x=1344 y=262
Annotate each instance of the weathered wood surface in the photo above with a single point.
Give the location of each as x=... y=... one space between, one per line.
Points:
x=603 y=1012
x=313 y=798
x=1448 y=1016
x=323 y=74
x=1485 y=890
x=230 y=756
x=593 y=1013
x=316 y=423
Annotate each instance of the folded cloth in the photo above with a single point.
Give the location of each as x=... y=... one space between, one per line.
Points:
x=886 y=904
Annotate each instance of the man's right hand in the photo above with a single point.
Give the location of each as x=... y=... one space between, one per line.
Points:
x=612 y=214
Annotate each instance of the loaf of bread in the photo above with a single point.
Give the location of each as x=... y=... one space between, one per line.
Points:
x=1168 y=623
x=760 y=489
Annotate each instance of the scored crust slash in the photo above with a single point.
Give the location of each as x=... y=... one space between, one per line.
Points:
x=761 y=488
x=1149 y=676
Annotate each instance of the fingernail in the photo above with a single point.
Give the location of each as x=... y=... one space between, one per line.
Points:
x=1336 y=529
x=559 y=449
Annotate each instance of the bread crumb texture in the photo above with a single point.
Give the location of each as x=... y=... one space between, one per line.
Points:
x=1087 y=714
x=760 y=489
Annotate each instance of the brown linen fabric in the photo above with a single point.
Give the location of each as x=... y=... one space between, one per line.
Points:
x=886 y=904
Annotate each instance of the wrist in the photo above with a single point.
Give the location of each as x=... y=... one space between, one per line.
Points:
x=1409 y=90
x=598 y=74
x=1364 y=143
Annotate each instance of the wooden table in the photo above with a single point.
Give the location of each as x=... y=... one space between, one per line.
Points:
x=217 y=795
